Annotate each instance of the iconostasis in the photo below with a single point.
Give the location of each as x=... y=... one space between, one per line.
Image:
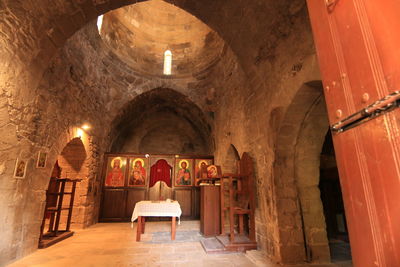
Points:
x=130 y=178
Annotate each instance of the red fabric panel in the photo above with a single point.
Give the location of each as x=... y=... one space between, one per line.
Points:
x=160 y=171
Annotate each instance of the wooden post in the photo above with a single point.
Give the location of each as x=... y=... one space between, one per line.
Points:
x=231 y=211
x=71 y=205
x=222 y=201
x=44 y=217
x=143 y=223
x=138 y=228
x=173 y=228
x=56 y=190
x=241 y=223
x=59 y=207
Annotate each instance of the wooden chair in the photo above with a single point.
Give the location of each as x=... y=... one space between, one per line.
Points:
x=241 y=189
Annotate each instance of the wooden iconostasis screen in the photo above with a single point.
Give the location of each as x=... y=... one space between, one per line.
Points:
x=130 y=178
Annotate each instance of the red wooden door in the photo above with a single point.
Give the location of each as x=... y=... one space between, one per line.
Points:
x=358 y=46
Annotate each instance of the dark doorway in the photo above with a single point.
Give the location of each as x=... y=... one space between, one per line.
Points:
x=331 y=196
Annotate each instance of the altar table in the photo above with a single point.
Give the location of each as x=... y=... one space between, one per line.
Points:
x=155 y=209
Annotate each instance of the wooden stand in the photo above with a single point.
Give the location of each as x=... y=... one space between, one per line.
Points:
x=54 y=207
x=210 y=210
x=240 y=189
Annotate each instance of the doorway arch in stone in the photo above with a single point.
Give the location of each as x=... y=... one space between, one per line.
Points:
x=73 y=162
x=307 y=174
x=298 y=146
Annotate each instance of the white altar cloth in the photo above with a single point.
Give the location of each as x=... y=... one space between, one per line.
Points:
x=157 y=209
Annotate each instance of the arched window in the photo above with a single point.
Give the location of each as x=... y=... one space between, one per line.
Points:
x=99 y=22
x=167 y=62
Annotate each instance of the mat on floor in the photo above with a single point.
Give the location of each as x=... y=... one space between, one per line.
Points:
x=181 y=236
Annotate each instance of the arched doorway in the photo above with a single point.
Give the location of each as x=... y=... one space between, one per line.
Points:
x=65 y=198
x=332 y=200
x=297 y=168
x=72 y=163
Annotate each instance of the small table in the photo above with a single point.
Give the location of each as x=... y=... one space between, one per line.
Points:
x=155 y=209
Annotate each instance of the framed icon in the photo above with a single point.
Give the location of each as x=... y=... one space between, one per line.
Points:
x=20 y=168
x=183 y=172
x=115 y=173
x=41 y=160
x=138 y=170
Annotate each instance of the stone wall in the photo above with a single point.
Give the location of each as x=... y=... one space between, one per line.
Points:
x=51 y=86
x=249 y=115
x=84 y=83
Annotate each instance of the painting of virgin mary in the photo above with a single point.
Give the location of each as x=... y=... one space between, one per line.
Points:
x=137 y=172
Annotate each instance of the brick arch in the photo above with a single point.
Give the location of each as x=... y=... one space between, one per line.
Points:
x=72 y=159
x=298 y=147
x=75 y=155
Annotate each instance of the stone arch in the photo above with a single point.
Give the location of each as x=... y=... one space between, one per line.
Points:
x=296 y=172
x=231 y=159
x=307 y=170
x=74 y=155
x=161 y=110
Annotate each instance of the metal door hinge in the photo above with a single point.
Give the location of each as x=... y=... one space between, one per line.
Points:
x=380 y=107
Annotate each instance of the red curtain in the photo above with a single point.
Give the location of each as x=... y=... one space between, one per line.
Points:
x=160 y=171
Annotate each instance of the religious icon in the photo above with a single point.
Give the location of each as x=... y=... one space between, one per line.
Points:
x=199 y=164
x=212 y=171
x=20 y=169
x=183 y=169
x=41 y=160
x=115 y=175
x=137 y=171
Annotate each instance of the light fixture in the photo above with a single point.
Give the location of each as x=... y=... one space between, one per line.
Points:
x=79 y=133
x=85 y=127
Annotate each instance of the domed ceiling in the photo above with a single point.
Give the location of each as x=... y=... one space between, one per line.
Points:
x=139 y=35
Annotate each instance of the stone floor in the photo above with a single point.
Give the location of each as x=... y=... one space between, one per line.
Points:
x=113 y=244
x=340 y=250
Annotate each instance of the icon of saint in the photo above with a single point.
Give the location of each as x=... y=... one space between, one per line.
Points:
x=184 y=174
x=115 y=176
x=20 y=171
